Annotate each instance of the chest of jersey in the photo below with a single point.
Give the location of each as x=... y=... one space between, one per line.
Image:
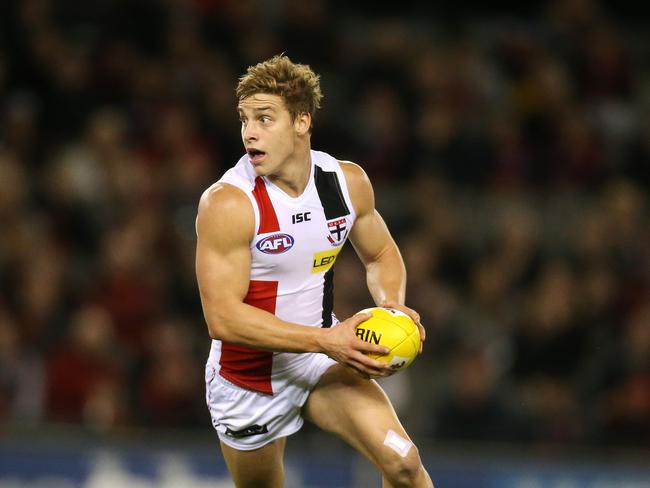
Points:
x=304 y=243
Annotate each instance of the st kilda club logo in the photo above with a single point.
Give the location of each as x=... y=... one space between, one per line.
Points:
x=338 y=231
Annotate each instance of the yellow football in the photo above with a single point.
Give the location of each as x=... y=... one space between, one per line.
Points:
x=394 y=330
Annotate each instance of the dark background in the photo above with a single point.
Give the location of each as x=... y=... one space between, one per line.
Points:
x=509 y=146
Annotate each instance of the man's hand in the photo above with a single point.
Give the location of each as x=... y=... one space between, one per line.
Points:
x=342 y=344
x=414 y=316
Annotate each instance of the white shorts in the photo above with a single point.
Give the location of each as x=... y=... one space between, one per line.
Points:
x=247 y=420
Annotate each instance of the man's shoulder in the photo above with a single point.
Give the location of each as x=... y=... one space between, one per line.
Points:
x=352 y=168
x=355 y=176
x=225 y=214
x=240 y=175
x=222 y=197
x=359 y=186
x=324 y=160
x=353 y=172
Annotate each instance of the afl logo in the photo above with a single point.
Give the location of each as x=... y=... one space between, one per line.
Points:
x=275 y=244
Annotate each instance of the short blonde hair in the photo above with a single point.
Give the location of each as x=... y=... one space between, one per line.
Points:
x=296 y=84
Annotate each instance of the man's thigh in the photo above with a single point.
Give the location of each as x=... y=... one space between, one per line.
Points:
x=247 y=420
x=259 y=468
x=358 y=411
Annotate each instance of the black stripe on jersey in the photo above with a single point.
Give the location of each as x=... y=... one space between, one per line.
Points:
x=328 y=297
x=330 y=194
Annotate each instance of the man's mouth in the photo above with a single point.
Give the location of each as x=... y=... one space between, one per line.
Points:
x=256 y=156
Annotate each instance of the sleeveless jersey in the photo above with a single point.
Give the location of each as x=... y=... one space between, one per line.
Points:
x=293 y=251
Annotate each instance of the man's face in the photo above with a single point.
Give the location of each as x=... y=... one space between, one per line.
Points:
x=268 y=132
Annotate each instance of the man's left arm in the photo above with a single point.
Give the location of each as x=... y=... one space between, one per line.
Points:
x=385 y=270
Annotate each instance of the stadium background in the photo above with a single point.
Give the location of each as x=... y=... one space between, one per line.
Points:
x=509 y=146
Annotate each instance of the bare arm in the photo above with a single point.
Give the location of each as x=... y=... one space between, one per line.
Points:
x=385 y=270
x=225 y=227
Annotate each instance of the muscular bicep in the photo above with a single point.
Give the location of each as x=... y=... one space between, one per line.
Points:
x=370 y=237
x=385 y=271
x=222 y=271
x=224 y=227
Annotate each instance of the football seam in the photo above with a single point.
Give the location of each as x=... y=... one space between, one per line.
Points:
x=409 y=332
x=403 y=341
x=399 y=344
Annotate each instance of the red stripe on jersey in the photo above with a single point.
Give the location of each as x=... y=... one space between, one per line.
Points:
x=244 y=366
x=268 y=218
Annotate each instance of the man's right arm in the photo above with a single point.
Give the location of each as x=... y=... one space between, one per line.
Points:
x=225 y=226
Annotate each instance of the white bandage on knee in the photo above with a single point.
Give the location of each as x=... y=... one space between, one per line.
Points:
x=397 y=443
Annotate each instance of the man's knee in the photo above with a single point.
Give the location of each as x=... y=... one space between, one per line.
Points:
x=403 y=471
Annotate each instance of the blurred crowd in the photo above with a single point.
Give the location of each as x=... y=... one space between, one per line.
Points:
x=510 y=156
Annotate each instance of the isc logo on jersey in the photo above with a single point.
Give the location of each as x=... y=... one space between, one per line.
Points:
x=275 y=244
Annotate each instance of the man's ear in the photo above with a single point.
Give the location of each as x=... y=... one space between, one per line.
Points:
x=302 y=123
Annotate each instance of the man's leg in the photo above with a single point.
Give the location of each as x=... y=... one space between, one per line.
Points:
x=359 y=411
x=260 y=468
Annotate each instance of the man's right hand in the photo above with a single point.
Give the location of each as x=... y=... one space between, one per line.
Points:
x=342 y=344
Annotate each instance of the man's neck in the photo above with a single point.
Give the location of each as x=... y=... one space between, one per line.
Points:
x=294 y=177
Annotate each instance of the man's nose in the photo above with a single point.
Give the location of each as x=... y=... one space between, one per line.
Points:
x=249 y=132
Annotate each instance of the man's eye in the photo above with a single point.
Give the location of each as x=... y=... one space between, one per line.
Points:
x=265 y=118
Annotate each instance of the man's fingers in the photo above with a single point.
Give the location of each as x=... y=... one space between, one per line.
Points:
x=367 y=367
x=358 y=318
x=403 y=308
x=372 y=366
x=414 y=316
x=370 y=348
